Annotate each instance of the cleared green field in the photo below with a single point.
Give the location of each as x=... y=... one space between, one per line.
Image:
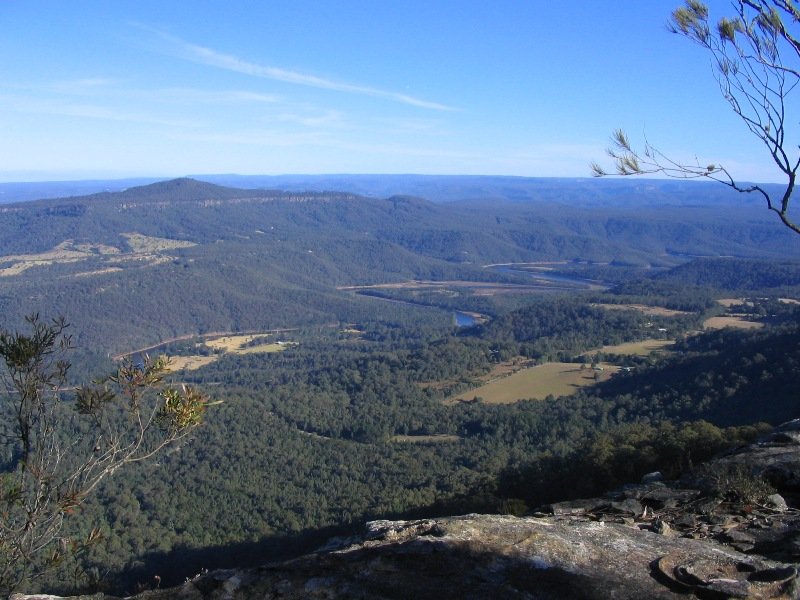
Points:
x=536 y=383
x=642 y=348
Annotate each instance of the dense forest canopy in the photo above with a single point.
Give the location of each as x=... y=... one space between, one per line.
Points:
x=324 y=323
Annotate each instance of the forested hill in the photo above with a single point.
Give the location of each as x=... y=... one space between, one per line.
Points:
x=579 y=191
x=191 y=210
x=742 y=275
x=182 y=256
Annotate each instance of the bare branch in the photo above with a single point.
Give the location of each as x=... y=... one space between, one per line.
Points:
x=756 y=54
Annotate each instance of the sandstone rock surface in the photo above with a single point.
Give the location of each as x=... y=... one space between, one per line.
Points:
x=493 y=556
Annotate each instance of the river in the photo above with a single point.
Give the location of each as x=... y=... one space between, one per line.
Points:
x=542 y=281
x=463 y=319
x=567 y=281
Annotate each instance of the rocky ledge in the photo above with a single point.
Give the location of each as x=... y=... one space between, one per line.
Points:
x=655 y=539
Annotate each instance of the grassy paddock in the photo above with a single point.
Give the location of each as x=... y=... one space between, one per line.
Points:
x=235 y=344
x=653 y=311
x=189 y=363
x=229 y=343
x=145 y=243
x=728 y=302
x=556 y=378
x=142 y=248
x=536 y=383
x=734 y=321
x=264 y=348
x=642 y=348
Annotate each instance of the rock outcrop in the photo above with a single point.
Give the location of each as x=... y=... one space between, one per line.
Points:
x=651 y=540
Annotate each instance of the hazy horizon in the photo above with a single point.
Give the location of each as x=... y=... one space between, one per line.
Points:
x=96 y=90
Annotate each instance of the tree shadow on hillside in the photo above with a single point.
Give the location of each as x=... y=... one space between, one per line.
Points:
x=167 y=569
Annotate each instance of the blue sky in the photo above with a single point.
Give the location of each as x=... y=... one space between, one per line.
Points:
x=93 y=89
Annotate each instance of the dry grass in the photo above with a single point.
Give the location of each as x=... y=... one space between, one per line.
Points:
x=536 y=383
x=737 y=322
x=516 y=380
x=510 y=367
x=65 y=252
x=230 y=343
x=728 y=302
x=654 y=311
x=498 y=371
x=265 y=348
x=642 y=348
x=98 y=272
x=20 y=267
x=235 y=344
x=189 y=363
x=144 y=249
x=147 y=244
x=97 y=248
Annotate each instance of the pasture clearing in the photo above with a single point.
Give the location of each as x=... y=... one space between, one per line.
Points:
x=237 y=344
x=230 y=343
x=144 y=249
x=653 y=311
x=499 y=370
x=728 y=302
x=98 y=272
x=189 y=363
x=643 y=348
x=65 y=252
x=145 y=244
x=735 y=321
x=265 y=348
x=536 y=383
x=516 y=380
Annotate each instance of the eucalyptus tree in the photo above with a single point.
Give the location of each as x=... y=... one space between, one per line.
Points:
x=58 y=443
x=755 y=55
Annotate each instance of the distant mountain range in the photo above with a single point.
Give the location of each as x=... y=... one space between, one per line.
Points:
x=179 y=256
x=436 y=188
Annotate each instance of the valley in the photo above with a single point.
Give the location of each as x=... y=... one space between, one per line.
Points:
x=325 y=328
x=286 y=287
